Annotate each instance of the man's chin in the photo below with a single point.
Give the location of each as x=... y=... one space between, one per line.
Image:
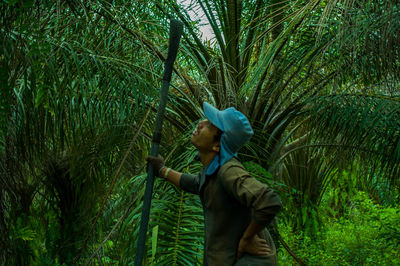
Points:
x=193 y=142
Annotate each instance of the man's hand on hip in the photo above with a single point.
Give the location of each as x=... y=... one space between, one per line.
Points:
x=253 y=246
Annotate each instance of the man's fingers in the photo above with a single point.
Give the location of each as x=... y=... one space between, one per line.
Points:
x=263 y=244
x=152 y=158
x=263 y=252
x=261 y=240
x=263 y=248
x=257 y=246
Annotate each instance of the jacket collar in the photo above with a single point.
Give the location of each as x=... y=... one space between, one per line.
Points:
x=208 y=170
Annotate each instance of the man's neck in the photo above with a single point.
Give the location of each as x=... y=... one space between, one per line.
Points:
x=206 y=157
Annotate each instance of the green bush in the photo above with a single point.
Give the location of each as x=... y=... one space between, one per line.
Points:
x=367 y=235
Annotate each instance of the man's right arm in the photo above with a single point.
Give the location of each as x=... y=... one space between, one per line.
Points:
x=173 y=176
x=187 y=182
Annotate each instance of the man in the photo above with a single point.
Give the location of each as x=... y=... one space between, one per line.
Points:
x=236 y=206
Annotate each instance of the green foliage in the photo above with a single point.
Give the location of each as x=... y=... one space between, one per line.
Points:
x=368 y=124
x=366 y=235
x=258 y=172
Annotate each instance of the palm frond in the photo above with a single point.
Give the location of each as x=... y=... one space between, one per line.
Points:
x=364 y=125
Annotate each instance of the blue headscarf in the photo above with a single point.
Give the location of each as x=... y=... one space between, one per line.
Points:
x=236 y=131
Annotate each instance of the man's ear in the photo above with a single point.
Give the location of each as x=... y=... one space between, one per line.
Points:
x=216 y=147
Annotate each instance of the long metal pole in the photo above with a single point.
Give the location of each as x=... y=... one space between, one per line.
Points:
x=176 y=28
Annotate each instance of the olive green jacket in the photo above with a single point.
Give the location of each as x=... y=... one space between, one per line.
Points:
x=231 y=198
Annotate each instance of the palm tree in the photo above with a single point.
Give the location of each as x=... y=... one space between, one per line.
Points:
x=72 y=110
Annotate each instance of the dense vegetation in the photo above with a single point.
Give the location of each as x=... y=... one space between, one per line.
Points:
x=319 y=81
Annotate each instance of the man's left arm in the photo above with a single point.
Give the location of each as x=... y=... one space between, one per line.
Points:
x=253 y=194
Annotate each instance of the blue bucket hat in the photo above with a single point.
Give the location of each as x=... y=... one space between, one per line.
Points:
x=236 y=132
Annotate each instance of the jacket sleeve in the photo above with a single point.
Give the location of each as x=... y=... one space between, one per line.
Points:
x=190 y=183
x=251 y=193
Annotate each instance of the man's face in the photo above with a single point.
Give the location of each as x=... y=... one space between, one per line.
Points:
x=203 y=137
